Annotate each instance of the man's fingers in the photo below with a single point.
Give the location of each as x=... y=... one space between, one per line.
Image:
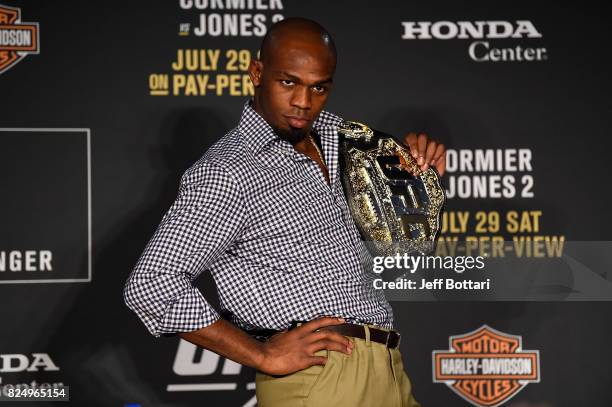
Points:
x=331 y=336
x=318 y=360
x=319 y=323
x=422 y=146
x=440 y=151
x=441 y=164
x=430 y=151
x=329 y=345
x=411 y=141
x=427 y=152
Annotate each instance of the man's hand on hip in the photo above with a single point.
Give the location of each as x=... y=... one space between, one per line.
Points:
x=290 y=351
x=284 y=353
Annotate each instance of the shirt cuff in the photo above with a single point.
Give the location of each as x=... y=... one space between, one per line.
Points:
x=167 y=303
x=188 y=313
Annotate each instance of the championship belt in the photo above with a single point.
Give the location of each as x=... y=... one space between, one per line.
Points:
x=395 y=205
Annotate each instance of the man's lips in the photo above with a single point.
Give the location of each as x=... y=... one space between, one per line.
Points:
x=297 y=122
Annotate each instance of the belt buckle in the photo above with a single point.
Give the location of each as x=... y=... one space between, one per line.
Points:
x=396 y=335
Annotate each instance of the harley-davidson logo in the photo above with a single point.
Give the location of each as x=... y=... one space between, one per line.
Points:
x=17 y=39
x=486 y=367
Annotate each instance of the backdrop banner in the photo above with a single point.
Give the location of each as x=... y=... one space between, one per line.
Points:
x=104 y=105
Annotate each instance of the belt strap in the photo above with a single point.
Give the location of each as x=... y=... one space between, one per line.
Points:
x=391 y=339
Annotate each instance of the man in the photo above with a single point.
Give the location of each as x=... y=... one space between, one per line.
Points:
x=264 y=211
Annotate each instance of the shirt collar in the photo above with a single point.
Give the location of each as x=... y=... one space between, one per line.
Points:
x=258 y=133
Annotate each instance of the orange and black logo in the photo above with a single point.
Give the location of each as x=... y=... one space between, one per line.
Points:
x=486 y=367
x=17 y=39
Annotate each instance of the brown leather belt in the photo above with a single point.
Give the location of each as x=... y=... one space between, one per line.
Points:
x=390 y=339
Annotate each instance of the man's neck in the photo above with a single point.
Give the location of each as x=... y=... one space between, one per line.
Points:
x=305 y=145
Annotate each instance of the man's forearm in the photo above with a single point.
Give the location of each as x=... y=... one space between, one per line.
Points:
x=227 y=340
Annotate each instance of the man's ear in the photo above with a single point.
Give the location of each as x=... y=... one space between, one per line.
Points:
x=255 y=71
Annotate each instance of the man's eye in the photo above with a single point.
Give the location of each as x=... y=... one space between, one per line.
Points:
x=319 y=89
x=287 y=82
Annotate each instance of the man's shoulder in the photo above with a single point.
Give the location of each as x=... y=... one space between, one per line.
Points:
x=225 y=150
x=328 y=119
x=226 y=156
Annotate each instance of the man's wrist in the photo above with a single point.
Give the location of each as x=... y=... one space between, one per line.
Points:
x=260 y=356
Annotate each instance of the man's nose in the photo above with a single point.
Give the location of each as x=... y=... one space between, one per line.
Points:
x=301 y=97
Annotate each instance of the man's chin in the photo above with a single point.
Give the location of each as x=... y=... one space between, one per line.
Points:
x=292 y=134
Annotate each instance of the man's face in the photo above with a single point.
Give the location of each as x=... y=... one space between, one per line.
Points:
x=292 y=86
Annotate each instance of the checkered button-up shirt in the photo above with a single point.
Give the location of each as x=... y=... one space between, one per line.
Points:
x=278 y=239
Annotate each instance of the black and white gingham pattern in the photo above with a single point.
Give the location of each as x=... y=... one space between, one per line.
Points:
x=279 y=241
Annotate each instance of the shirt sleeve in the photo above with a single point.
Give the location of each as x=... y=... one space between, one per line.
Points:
x=201 y=224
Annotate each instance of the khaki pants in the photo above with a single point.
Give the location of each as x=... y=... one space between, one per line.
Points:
x=370 y=376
